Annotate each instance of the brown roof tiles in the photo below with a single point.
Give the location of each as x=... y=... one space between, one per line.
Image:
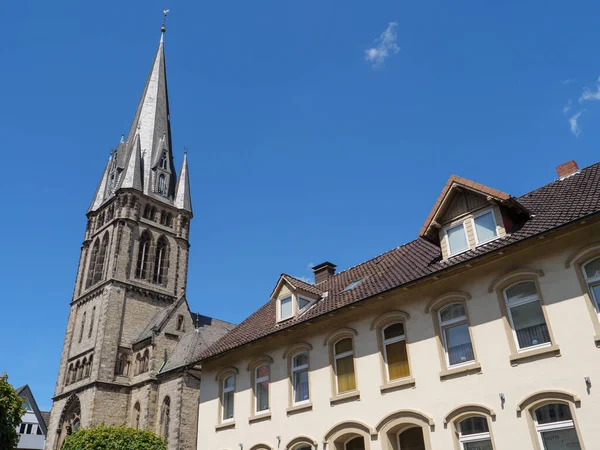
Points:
x=554 y=205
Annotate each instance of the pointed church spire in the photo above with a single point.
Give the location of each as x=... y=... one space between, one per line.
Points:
x=183 y=198
x=151 y=120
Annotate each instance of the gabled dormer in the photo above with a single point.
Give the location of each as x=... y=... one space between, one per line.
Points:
x=468 y=215
x=162 y=171
x=293 y=297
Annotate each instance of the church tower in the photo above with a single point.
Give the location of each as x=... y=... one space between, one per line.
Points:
x=131 y=281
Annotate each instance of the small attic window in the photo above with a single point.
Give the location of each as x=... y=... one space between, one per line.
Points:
x=180 y=326
x=304 y=303
x=457 y=239
x=353 y=285
x=285 y=308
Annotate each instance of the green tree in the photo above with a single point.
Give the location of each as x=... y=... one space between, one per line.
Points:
x=113 y=438
x=11 y=411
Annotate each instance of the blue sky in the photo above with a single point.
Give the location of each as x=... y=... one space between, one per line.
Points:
x=317 y=131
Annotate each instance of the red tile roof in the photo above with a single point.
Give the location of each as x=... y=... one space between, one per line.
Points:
x=554 y=205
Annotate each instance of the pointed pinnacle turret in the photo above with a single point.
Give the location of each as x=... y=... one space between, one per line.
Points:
x=183 y=198
x=101 y=189
x=132 y=175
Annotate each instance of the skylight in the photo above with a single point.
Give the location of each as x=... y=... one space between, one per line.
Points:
x=353 y=285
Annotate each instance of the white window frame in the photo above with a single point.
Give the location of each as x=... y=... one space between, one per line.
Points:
x=258 y=380
x=340 y=356
x=476 y=437
x=449 y=227
x=482 y=213
x=295 y=370
x=511 y=304
x=562 y=425
x=226 y=391
x=279 y=301
x=449 y=324
x=593 y=281
x=308 y=305
x=387 y=342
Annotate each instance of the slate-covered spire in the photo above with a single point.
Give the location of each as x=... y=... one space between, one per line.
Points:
x=144 y=160
x=151 y=121
x=183 y=198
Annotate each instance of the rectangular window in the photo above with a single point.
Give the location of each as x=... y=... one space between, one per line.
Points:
x=285 y=308
x=344 y=365
x=455 y=335
x=262 y=388
x=227 y=401
x=395 y=353
x=457 y=239
x=29 y=428
x=22 y=428
x=300 y=378
x=526 y=315
x=485 y=227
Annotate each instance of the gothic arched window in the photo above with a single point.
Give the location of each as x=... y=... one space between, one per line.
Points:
x=142 y=266
x=78 y=371
x=121 y=366
x=69 y=374
x=147 y=212
x=92 y=265
x=180 y=326
x=165 y=417
x=92 y=322
x=145 y=362
x=163 y=161
x=101 y=256
x=160 y=261
x=82 y=327
x=162 y=187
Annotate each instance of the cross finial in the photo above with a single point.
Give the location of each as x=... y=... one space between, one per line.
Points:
x=165 y=12
x=185 y=149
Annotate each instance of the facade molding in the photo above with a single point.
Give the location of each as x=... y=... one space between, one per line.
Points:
x=436 y=302
x=468 y=410
x=547 y=396
x=228 y=370
x=340 y=332
x=388 y=317
x=258 y=361
x=296 y=348
x=399 y=416
x=579 y=255
x=505 y=278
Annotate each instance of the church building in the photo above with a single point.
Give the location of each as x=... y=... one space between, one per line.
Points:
x=131 y=344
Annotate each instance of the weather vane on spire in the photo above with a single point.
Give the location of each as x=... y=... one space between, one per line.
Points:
x=165 y=12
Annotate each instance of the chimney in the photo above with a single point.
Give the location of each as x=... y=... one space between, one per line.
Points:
x=567 y=169
x=323 y=271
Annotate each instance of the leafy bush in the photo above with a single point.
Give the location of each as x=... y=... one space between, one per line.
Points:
x=11 y=411
x=113 y=438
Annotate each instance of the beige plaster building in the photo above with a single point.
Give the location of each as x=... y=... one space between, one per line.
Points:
x=482 y=333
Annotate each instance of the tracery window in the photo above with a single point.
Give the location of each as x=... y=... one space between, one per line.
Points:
x=142 y=266
x=92 y=264
x=160 y=261
x=100 y=258
x=163 y=161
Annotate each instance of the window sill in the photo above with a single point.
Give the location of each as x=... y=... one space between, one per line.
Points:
x=345 y=397
x=299 y=408
x=404 y=383
x=460 y=371
x=259 y=417
x=551 y=350
x=225 y=426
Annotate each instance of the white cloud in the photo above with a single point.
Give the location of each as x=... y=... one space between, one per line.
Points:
x=567 y=107
x=567 y=81
x=589 y=94
x=575 y=128
x=305 y=279
x=385 y=46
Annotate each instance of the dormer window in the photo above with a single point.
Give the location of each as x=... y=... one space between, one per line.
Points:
x=285 y=308
x=304 y=303
x=485 y=227
x=456 y=237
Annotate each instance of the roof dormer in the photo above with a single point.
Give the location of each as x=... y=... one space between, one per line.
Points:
x=468 y=214
x=293 y=297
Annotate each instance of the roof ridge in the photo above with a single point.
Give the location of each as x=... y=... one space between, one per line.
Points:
x=214 y=318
